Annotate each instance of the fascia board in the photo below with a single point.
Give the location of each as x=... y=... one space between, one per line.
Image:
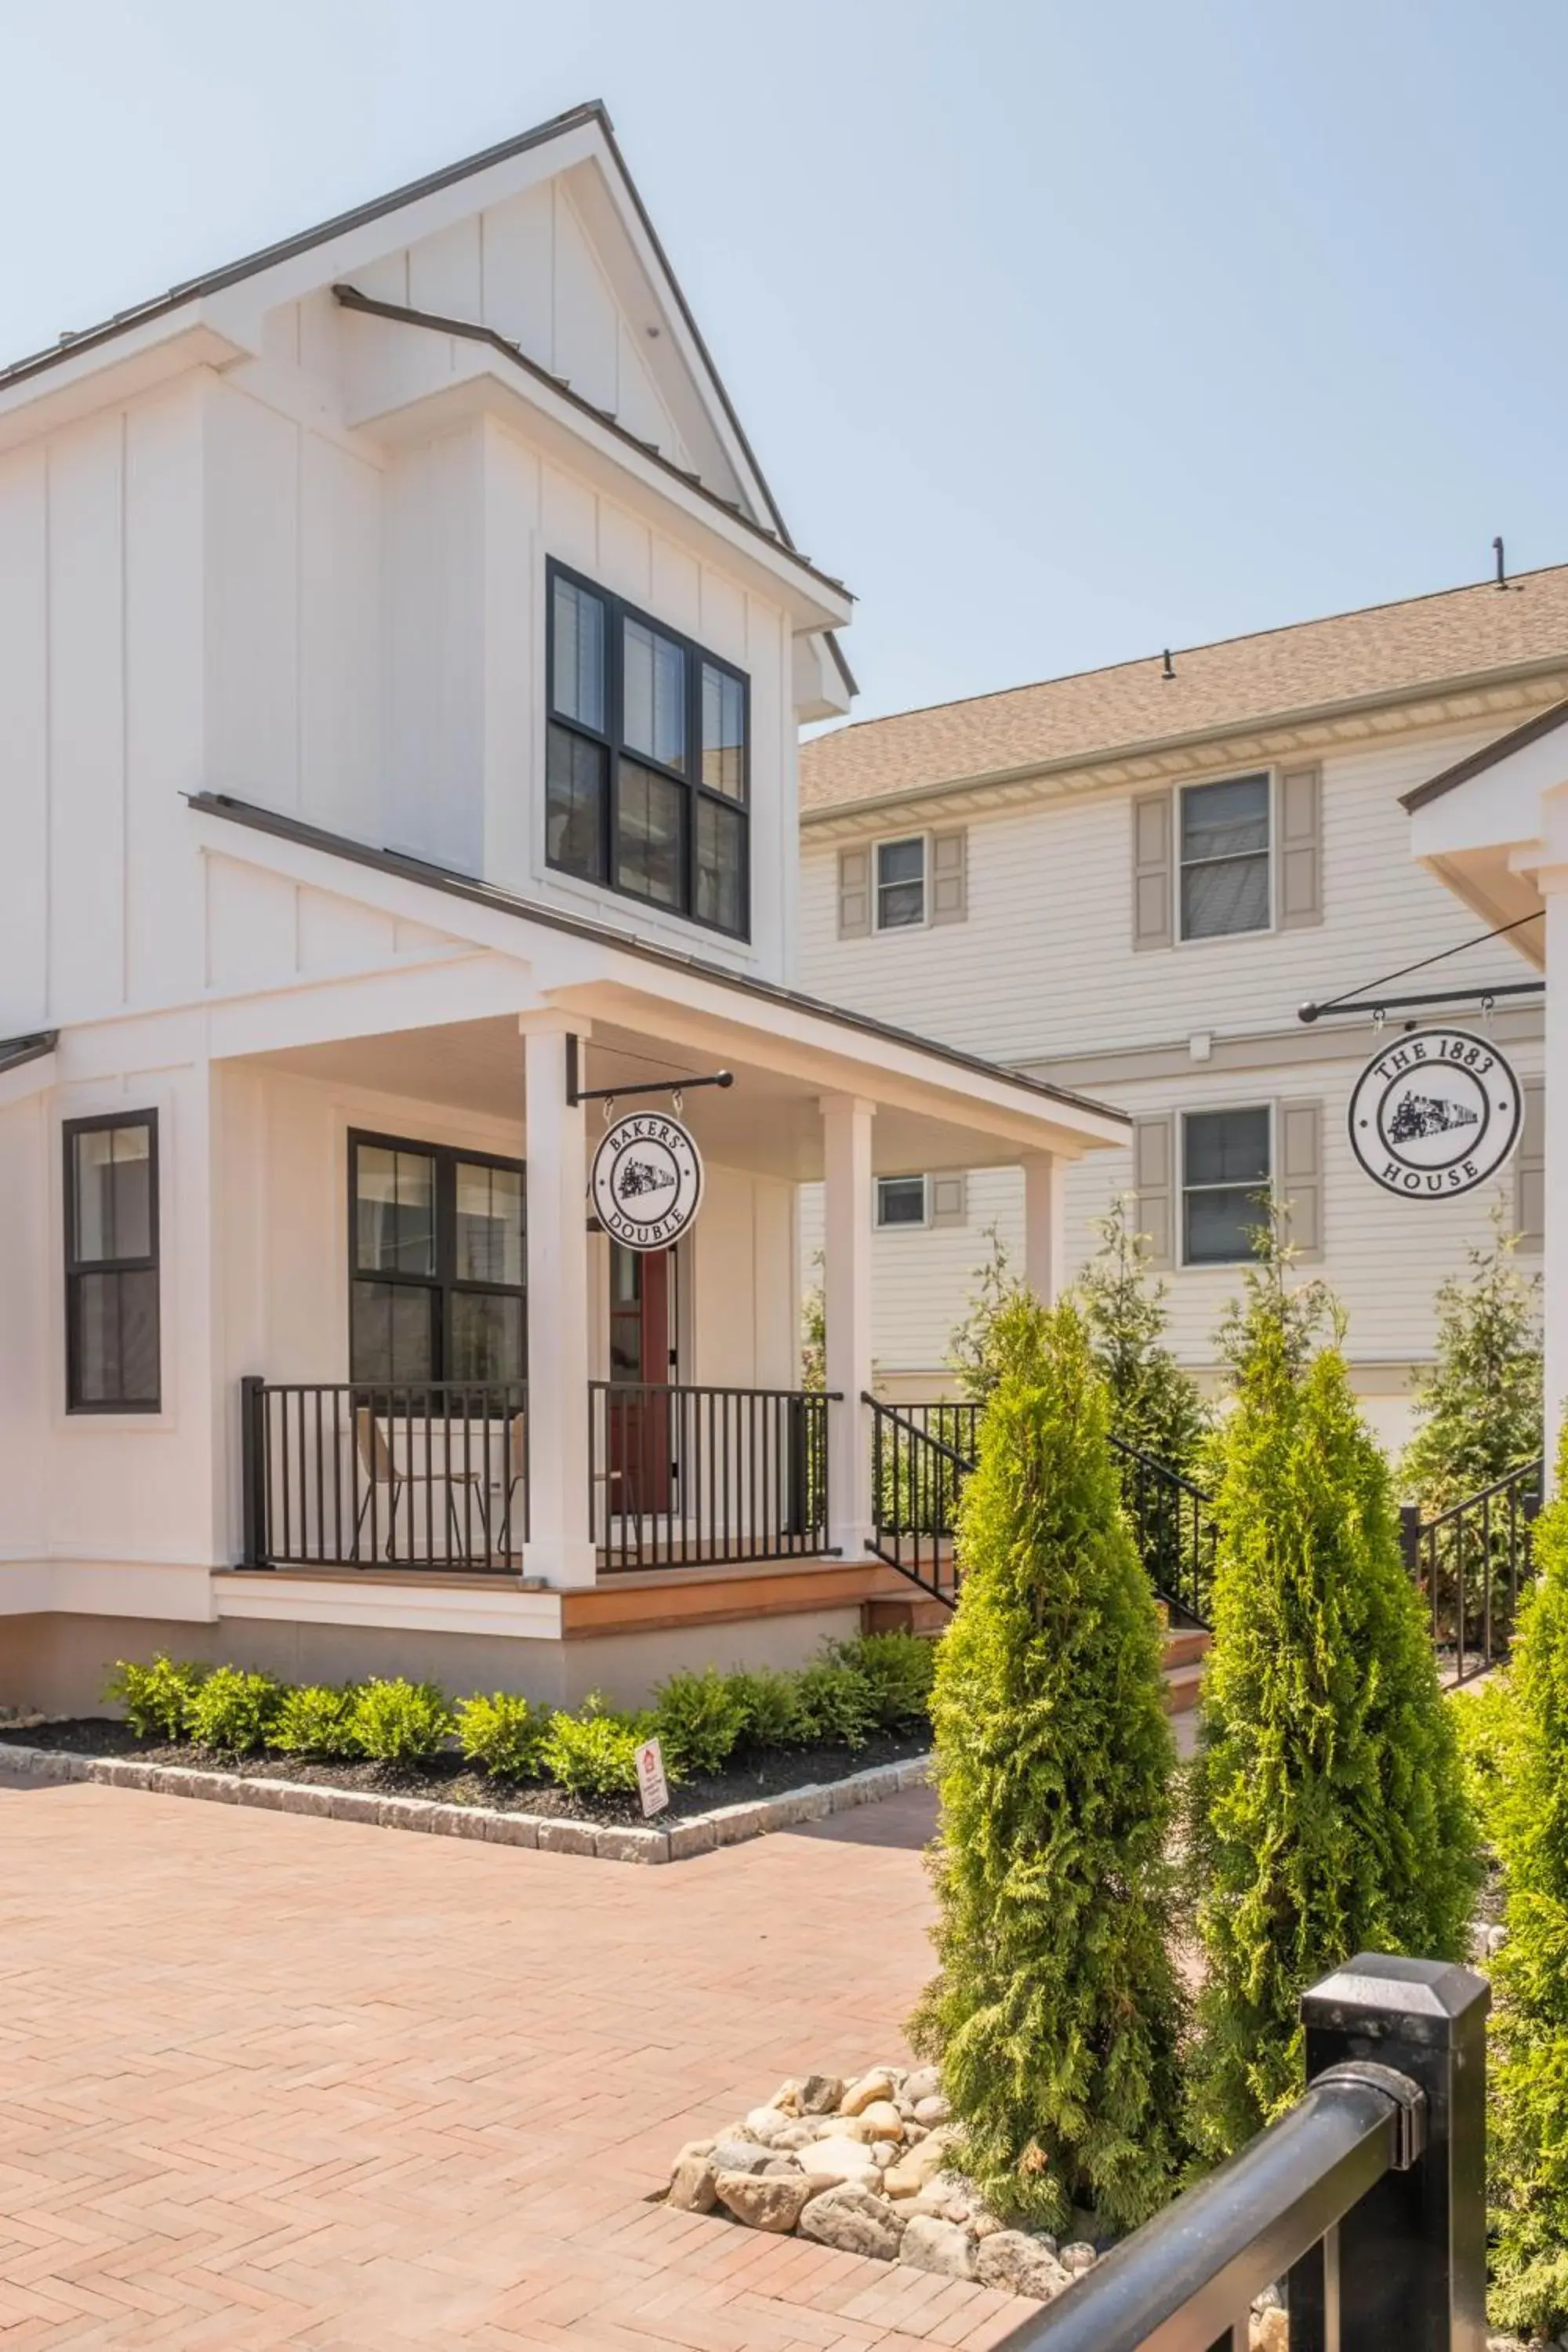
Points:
x=141 y=359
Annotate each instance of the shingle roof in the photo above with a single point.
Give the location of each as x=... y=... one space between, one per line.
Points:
x=1381 y=651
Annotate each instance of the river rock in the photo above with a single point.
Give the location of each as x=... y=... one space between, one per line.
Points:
x=929 y=2244
x=692 y=2184
x=920 y=2164
x=786 y=2098
x=840 y=2159
x=818 y=2095
x=857 y=2098
x=1075 y=2260
x=739 y=2155
x=881 y=2120
x=932 y=2111
x=765 y=2200
x=850 y=2219
x=1020 y=2264
x=924 y=2084
x=884 y=2152
x=768 y=2124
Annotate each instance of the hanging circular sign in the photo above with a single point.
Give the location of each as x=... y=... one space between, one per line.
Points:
x=646 y=1180
x=1435 y=1114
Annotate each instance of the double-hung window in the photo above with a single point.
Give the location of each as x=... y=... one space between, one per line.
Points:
x=111 y=1264
x=1225 y=1174
x=901 y=883
x=646 y=764
x=1225 y=858
x=438 y=1269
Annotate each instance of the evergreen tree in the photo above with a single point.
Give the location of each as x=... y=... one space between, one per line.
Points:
x=1478 y=1413
x=813 y=1331
x=1056 y=2012
x=1155 y=1406
x=972 y=1345
x=1329 y=1814
x=1527 y=1813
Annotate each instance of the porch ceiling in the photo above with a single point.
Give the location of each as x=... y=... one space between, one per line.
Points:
x=769 y=1122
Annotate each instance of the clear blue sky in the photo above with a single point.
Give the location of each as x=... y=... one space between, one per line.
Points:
x=1063 y=330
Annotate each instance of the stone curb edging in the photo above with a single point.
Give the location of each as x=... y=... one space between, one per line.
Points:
x=699 y=1833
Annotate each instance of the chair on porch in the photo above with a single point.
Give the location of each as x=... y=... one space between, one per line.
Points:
x=378 y=1468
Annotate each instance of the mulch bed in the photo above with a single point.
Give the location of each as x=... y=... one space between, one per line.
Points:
x=766 y=1772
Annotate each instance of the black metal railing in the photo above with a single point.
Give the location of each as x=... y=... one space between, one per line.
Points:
x=922 y=1455
x=1367 y=2199
x=681 y=1476
x=415 y=1473
x=1470 y=1563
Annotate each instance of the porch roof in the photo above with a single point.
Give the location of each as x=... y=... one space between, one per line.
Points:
x=651 y=1011
x=1488 y=825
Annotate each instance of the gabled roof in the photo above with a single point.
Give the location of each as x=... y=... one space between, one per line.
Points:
x=1545 y=722
x=1379 y=655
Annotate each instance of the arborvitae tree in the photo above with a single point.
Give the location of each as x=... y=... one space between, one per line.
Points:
x=1527 y=1814
x=1329 y=1814
x=972 y=1344
x=813 y=1331
x=1056 y=2012
x=1478 y=1413
x=1154 y=1404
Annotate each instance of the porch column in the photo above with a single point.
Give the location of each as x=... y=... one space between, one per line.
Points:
x=559 y=1545
x=847 y=1303
x=1045 y=1224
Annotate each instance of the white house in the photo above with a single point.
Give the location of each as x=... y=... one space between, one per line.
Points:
x=401 y=662
x=1129 y=882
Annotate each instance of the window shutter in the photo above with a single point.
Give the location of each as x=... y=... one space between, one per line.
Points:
x=1152 y=870
x=854 y=894
x=1153 y=1177
x=948 y=876
x=1300 y=1181
x=1300 y=875
x=1529 y=1170
x=949 y=1200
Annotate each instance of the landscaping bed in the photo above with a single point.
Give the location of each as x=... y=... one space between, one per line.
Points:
x=450 y=1780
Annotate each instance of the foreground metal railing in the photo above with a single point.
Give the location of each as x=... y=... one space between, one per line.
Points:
x=412 y=1472
x=1469 y=1563
x=1367 y=2199
x=922 y=1455
x=681 y=1475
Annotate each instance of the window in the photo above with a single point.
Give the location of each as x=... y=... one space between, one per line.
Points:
x=111 y=1264
x=901 y=1200
x=900 y=883
x=1225 y=1161
x=1225 y=858
x=646 y=761
x=438 y=1269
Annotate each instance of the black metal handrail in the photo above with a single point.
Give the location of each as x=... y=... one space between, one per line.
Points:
x=1366 y=2199
x=922 y=1455
x=351 y=1474
x=681 y=1476
x=1470 y=1562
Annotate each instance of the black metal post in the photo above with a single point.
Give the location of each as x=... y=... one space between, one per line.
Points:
x=252 y=1496
x=1410 y=1536
x=1410 y=2255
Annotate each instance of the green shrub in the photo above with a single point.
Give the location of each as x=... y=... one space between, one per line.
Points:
x=316 y=1719
x=400 y=1722
x=594 y=1754
x=504 y=1734
x=770 y=1701
x=700 y=1720
x=1330 y=1814
x=234 y=1711
x=897 y=1670
x=1484 y=1726
x=835 y=1703
x=1056 y=2012
x=1528 y=1821
x=156 y=1697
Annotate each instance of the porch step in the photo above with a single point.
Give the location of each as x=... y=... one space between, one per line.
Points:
x=891 y=1613
x=1186 y=1651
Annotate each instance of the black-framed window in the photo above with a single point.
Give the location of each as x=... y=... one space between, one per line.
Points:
x=113 y=1358
x=1225 y=858
x=1225 y=1157
x=646 y=759
x=437 y=1263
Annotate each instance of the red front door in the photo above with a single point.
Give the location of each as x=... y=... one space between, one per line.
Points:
x=642 y=1361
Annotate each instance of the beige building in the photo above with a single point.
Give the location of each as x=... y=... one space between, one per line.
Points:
x=1128 y=882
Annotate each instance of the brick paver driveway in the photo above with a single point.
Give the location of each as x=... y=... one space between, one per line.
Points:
x=269 y=2081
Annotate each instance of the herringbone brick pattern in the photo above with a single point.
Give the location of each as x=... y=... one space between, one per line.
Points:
x=267 y=2081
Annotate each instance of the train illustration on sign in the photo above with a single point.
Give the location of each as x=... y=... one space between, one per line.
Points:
x=1428 y=1115
x=637 y=1177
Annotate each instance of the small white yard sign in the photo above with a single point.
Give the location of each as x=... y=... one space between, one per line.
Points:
x=652 y=1786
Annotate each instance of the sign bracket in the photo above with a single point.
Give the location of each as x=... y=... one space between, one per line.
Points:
x=576 y=1094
